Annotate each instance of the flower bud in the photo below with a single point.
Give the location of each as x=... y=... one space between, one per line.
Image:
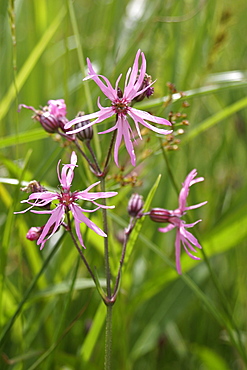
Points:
x=48 y=121
x=34 y=187
x=159 y=215
x=34 y=233
x=147 y=81
x=119 y=93
x=135 y=205
x=62 y=120
x=86 y=134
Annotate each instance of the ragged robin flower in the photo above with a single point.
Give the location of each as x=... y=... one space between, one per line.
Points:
x=51 y=117
x=183 y=236
x=66 y=202
x=121 y=107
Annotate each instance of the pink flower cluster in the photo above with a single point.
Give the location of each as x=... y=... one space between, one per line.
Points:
x=183 y=236
x=121 y=107
x=67 y=201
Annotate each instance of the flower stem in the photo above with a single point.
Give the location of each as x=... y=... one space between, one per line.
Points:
x=106 y=246
x=121 y=262
x=87 y=142
x=83 y=154
x=109 y=153
x=81 y=254
x=108 y=338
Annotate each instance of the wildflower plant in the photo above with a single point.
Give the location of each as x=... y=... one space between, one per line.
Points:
x=65 y=207
x=121 y=107
x=173 y=218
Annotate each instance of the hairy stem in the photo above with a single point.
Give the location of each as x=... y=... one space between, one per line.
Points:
x=79 y=250
x=108 y=338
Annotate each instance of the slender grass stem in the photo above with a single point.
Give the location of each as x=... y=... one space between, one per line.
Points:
x=169 y=168
x=82 y=66
x=11 y=322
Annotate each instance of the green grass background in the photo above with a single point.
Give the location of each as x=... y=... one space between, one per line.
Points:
x=50 y=314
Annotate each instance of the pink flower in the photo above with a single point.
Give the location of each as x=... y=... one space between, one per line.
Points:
x=57 y=107
x=52 y=117
x=174 y=219
x=121 y=107
x=67 y=201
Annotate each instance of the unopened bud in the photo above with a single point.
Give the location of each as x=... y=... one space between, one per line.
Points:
x=48 y=121
x=119 y=93
x=159 y=215
x=62 y=120
x=87 y=133
x=34 y=233
x=147 y=81
x=34 y=187
x=135 y=205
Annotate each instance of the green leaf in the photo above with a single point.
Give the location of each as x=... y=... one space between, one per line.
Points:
x=30 y=64
x=94 y=332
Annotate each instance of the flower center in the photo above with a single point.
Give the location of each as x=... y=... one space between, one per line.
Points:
x=66 y=199
x=120 y=106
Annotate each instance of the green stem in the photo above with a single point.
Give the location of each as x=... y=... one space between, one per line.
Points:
x=79 y=250
x=106 y=246
x=87 y=142
x=121 y=262
x=169 y=168
x=108 y=338
x=83 y=154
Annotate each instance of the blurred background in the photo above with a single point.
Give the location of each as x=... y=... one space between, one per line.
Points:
x=50 y=313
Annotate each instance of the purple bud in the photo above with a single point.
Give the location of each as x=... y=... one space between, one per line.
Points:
x=135 y=205
x=34 y=233
x=48 y=121
x=147 y=81
x=34 y=187
x=119 y=93
x=159 y=215
x=86 y=134
x=62 y=120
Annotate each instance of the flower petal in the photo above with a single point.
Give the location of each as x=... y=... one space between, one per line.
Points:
x=107 y=89
x=185 y=190
x=55 y=219
x=167 y=228
x=79 y=216
x=178 y=252
x=118 y=140
x=127 y=140
x=141 y=115
x=86 y=117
